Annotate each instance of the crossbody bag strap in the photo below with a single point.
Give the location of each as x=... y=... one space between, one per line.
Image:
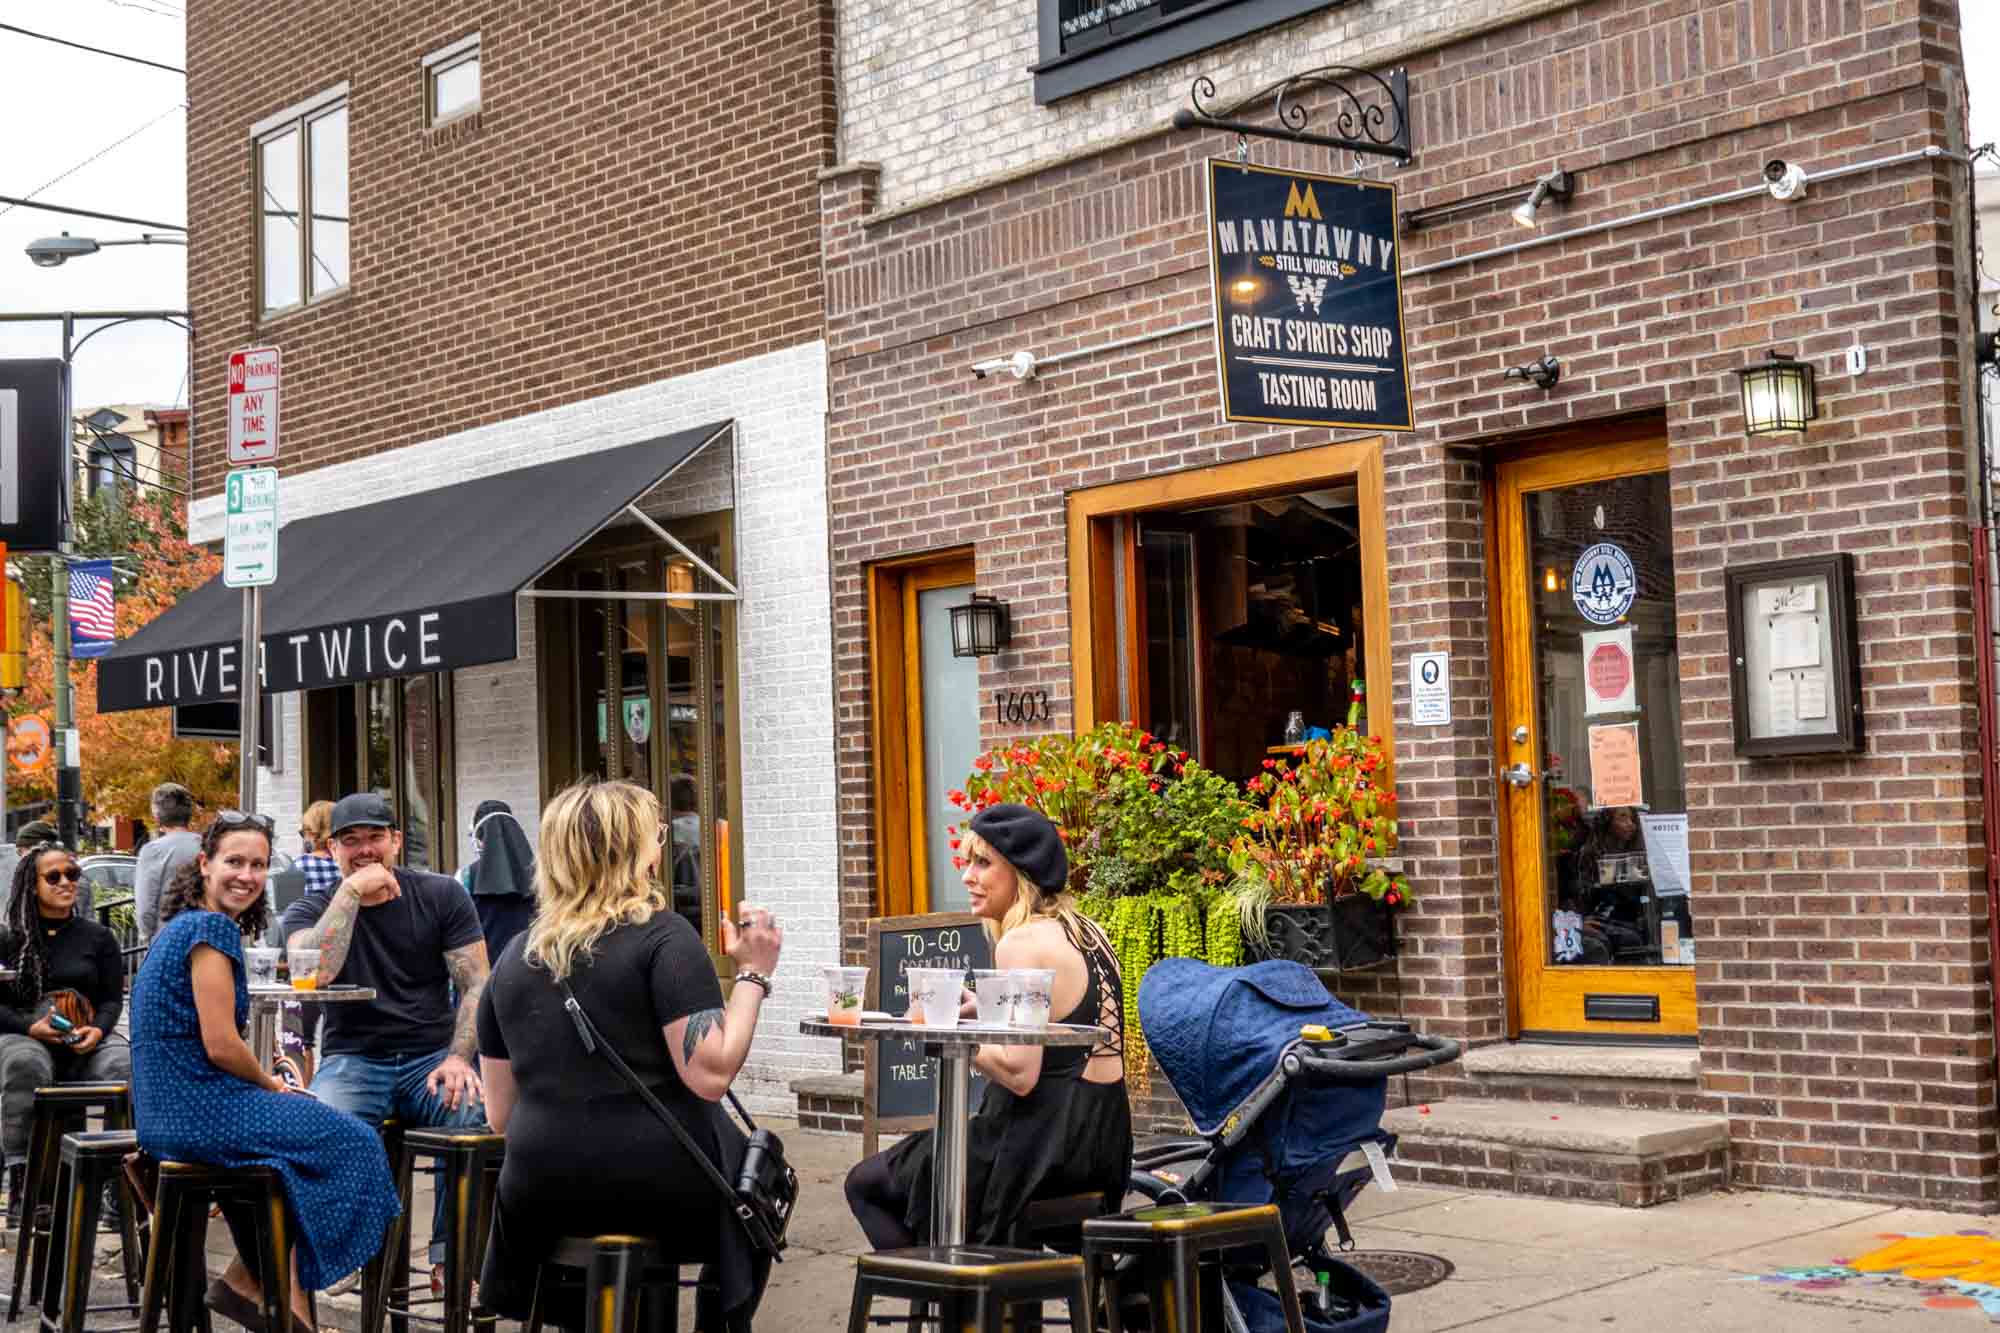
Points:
x=593 y=1041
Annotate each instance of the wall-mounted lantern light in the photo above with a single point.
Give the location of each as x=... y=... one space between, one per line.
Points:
x=980 y=628
x=1778 y=395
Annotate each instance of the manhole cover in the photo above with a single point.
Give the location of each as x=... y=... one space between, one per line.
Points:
x=1399 y=1272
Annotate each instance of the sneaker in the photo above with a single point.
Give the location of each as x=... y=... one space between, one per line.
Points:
x=350 y=1283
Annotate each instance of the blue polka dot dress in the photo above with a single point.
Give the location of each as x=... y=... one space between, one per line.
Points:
x=336 y=1176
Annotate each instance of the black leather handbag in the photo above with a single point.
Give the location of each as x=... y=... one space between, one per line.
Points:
x=767 y=1187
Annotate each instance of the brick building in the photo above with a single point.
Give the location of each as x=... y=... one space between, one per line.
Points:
x=547 y=290
x=1812 y=1009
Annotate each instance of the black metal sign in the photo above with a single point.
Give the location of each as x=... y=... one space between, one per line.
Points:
x=33 y=443
x=1308 y=299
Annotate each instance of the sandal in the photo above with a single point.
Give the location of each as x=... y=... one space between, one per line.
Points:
x=232 y=1305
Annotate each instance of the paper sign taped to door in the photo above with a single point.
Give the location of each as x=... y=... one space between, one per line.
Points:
x=1667 y=853
x=1608 y=685
x=1614 y=765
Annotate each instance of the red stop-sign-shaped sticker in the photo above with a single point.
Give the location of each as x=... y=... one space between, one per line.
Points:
x=1610 y=671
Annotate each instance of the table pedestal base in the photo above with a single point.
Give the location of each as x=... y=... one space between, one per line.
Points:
x=954 y=1088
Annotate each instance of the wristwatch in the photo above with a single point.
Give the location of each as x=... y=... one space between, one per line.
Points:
x=756 y=978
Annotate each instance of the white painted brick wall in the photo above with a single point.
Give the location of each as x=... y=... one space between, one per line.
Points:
x=777 y=471
x=938 y=92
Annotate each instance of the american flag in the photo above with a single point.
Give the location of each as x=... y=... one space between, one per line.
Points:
x=93 y=624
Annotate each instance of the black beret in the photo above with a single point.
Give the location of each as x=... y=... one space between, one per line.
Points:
x=1028 y=842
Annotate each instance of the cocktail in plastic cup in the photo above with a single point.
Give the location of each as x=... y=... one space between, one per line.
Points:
x=305 y=969
x=260 y=965
x=934 y=995
x=1031 y=1001
x=844 y=989
x=994 y=988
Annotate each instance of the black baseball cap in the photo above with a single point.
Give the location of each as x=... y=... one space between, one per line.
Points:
x=364 y=809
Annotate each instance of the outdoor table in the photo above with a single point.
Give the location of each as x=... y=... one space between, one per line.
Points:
x=952 y=1048
x=267 y=1002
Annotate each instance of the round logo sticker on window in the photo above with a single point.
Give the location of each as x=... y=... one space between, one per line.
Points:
x=1604 y=584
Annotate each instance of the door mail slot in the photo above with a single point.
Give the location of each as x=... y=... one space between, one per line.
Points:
x=1621 y=1008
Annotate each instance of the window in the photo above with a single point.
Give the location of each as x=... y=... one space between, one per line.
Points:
x=1086 y=44
x=394 y=737
x=451 y=81
x=302 y=203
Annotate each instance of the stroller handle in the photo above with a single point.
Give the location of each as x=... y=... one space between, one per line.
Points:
x=1429 y=1052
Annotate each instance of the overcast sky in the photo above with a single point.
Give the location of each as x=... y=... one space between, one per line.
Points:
x=110 y=136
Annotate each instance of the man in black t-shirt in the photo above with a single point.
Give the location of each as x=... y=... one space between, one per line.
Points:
x=413 y=938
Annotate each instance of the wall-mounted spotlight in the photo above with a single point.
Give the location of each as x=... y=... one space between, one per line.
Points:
x=1545 y=373
x=1022 y=364
x=1557 y=185
x=1785 y=180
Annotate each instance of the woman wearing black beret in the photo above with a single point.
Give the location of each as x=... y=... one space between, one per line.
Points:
x=1055 y=1120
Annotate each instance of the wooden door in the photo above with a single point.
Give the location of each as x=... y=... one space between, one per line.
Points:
x=1601 y=935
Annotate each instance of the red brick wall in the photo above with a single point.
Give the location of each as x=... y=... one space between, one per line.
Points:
x=634 y=199
x=1843 y=988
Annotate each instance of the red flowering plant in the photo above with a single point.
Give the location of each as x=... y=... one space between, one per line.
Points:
x=1317 y=826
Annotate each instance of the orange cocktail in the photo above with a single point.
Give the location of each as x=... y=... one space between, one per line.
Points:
x=844 y=989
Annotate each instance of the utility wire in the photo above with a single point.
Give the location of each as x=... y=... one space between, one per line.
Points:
x=116 y=143
x=98 y=50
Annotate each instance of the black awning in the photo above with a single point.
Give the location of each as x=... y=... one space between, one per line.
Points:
x=424 y=582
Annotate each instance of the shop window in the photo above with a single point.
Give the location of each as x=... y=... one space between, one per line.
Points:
x=302 y=203
x=1087 y=44
x=1219 y=610
x=451 y=81
x=642 y=687
x=394 y=737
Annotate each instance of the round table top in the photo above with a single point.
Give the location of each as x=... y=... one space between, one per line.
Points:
x=331 y=995
x=965 y=1034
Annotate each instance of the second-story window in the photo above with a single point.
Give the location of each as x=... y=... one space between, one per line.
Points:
x=302 y=204
x=451 y=81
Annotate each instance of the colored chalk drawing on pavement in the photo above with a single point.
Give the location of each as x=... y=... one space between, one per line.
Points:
x=1957 y=1271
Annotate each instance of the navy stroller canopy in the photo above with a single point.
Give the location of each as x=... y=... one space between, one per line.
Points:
x=1218 y=1032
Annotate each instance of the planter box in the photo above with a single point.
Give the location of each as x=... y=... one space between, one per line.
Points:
x=1348 y=933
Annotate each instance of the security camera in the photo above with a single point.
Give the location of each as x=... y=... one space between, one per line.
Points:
x=1786 y=180
x=1022 y=364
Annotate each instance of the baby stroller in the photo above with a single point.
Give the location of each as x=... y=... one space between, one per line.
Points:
x=1282 y=1082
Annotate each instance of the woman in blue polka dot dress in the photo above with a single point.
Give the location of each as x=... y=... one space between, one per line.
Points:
x=200 y=1095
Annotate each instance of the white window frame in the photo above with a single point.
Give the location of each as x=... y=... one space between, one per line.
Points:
x=298 y=118
x=442 y=60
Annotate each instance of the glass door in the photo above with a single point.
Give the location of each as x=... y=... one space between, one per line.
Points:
x=1601 y=932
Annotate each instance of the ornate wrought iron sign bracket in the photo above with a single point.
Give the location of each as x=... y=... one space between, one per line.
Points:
x=1361 y=122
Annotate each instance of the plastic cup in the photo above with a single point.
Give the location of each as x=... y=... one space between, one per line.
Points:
x=844 y=988
x=934 y=996
x=305 y=969
x=1031 y=1001
x=260 y=965
x=995 y=989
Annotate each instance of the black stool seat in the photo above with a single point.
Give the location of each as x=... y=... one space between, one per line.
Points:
x=87 y=1164
x=471 y=1163
x=972 y=1286
x=176 y=1262
x=1179 y=1250
x=58 y=1109
x=629 y=1282
x=1057 y=1222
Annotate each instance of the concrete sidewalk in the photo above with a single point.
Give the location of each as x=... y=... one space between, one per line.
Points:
x=1711 y=1263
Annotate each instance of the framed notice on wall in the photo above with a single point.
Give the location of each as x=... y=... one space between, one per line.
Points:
x=1308 y=286
x=1795 y=676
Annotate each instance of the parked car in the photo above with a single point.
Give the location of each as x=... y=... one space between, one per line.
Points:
x=107 y=879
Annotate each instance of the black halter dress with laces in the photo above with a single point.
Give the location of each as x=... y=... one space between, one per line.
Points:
x=1067 y=1136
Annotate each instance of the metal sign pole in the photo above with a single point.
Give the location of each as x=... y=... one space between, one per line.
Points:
x=249 y=699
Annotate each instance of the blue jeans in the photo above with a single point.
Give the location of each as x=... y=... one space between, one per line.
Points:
x=376 y=1088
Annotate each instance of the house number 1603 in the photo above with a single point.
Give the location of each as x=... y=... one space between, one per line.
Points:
x=1022 y=705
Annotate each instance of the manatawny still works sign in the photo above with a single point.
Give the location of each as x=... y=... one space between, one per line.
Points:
x=1308 y=299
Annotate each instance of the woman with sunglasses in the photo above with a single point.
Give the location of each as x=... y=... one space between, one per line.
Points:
x=200 y=1094
x=59 y=1016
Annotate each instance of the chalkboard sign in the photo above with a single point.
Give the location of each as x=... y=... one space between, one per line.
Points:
x=901 y=1087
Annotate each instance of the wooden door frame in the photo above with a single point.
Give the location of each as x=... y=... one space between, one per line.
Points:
x=895 y=675
x=1623 y=449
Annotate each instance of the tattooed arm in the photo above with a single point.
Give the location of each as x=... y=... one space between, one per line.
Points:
x=332 y=933
x=710 y=1045
x=455 y=1079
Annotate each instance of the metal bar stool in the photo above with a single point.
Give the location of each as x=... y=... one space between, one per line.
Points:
x=1180 y=1250
x=628 y=1284
x=176 y=1260
x=58 y=1110
x=89 y=1162
x=471 y=1161
x=972 y=1286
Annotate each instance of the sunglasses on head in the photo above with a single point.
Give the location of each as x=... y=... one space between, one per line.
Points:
x=70 y=873
x=229 y=821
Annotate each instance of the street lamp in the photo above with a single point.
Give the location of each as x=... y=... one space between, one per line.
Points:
x=54 y=251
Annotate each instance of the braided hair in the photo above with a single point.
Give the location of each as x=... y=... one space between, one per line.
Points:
x=187 y=892
x=24 y=925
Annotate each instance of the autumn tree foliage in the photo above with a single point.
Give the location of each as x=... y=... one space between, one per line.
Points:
x=124 y=755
